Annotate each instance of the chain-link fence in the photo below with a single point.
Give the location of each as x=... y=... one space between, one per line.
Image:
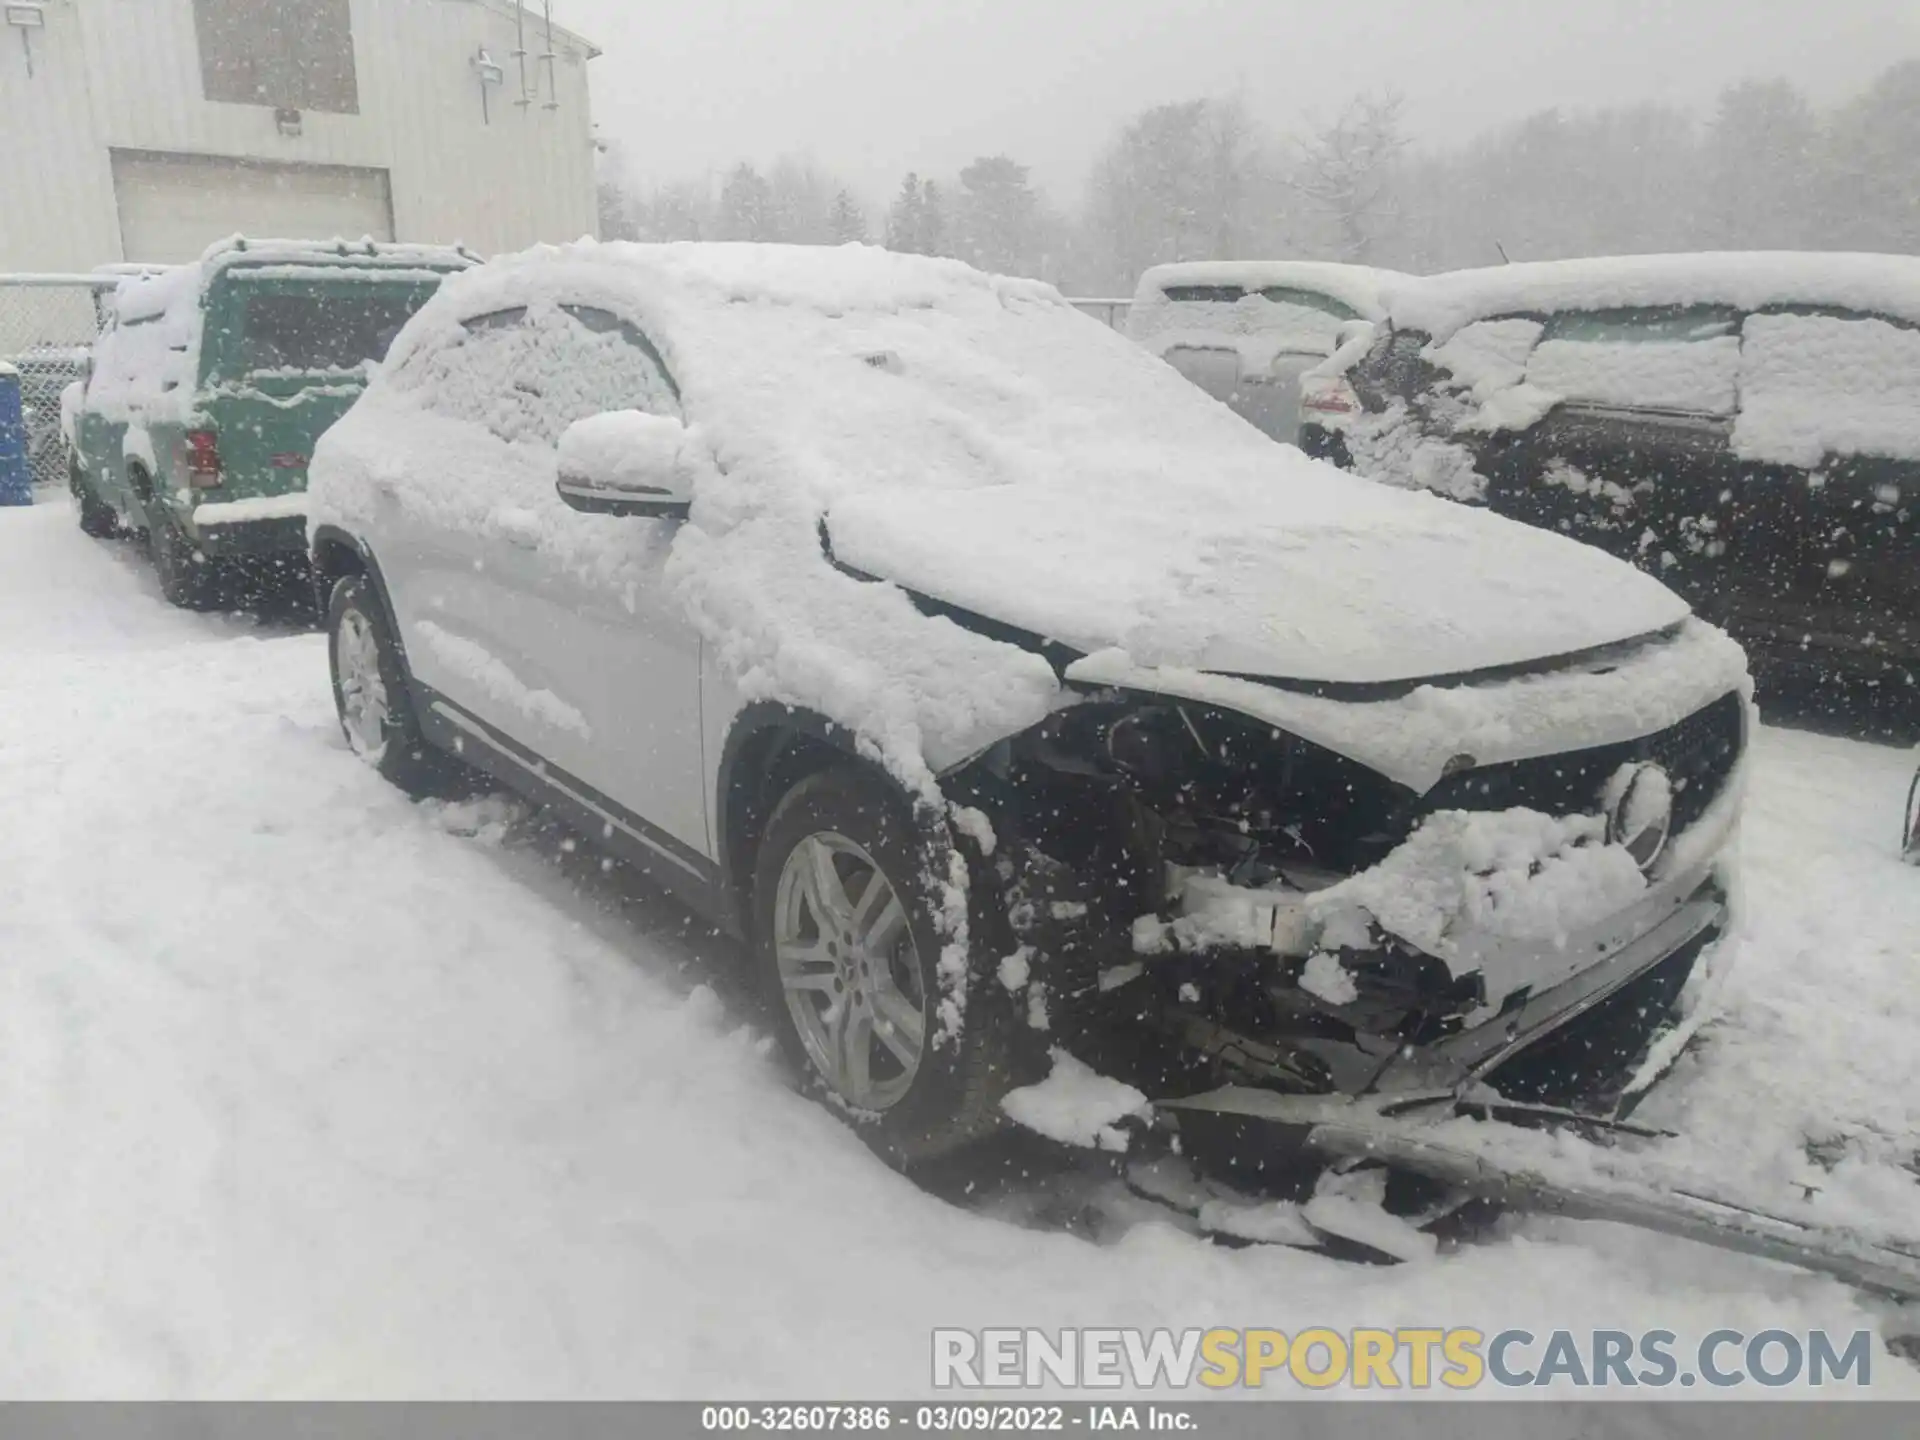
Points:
x=47 y=324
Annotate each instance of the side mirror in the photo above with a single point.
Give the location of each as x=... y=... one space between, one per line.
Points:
x=627 y=462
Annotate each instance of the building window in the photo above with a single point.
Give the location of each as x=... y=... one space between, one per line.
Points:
x=290 y=54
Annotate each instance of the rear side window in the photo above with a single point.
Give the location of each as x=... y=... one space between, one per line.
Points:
x=1309 y=300
x=1658 y=325
x=528 y=372
x=1205 y=294
x=321 y=332
x=1679 y=359
x=1816 y=385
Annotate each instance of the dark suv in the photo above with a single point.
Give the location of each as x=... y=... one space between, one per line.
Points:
x=1744 y=426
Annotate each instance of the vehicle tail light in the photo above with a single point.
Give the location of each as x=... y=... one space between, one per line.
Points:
x=203 y=459
x=1330 y=398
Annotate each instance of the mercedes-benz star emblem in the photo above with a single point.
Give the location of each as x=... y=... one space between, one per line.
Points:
x=1638 y=803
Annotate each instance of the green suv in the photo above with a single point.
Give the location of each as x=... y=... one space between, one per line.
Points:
x=212 y=381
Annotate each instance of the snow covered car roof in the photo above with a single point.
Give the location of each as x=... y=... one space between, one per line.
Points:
x=1360 y=288
x=150 y=360
x=147 y=291
x=977 y=441
x=1745 y=280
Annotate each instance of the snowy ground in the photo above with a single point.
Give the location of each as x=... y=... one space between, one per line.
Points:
x=307 y=1091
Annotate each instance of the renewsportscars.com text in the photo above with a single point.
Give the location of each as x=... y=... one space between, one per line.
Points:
x=1459 y=1358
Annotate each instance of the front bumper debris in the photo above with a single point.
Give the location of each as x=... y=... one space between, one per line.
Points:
x=1625 y=1175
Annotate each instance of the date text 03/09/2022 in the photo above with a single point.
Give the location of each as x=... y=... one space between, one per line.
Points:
x=943 y=1419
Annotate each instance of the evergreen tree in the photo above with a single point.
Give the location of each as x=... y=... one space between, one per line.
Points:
x=905 y=218
x=746 y=206
x=846 y=222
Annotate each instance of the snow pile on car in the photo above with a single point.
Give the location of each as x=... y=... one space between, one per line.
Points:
x=975 y=439
x=1801 y=386
x=146 y=367
x=153 y=353
x=1748 y=280
x=1239 y=317
x=1819 y=385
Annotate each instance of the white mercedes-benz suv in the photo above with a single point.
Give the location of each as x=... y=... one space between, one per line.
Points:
x=1012 y=696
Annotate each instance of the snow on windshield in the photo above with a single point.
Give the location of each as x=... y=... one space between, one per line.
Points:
x=145 y=366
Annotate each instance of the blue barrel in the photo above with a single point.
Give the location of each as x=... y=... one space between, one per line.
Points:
x=16 y=481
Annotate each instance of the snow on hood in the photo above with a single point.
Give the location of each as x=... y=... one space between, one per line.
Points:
x=1305 y=575
x=976 y=437
x=1746 y=280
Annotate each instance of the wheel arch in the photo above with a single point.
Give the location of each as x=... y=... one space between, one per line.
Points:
x=770 y=748
x=335 y=555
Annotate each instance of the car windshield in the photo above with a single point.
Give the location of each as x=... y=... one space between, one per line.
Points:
x=316 y=332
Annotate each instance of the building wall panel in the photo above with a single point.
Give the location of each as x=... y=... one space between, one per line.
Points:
x=126 y=75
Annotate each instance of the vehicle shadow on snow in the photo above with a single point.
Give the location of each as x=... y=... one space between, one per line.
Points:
x=265 y=601
x=1883 y=714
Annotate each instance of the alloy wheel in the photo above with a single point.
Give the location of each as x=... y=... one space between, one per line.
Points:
x=363 y=693
x=850 y=971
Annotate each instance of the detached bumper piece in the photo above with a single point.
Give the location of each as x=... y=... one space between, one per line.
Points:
x=1538 y=1159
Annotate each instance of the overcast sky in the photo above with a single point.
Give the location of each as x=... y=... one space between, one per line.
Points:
x=874 y=88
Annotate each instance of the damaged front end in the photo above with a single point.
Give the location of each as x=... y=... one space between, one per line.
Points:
x=1198 y=898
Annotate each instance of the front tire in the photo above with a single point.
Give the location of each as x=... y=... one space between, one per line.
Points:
x=848 y=952
x=372 y=698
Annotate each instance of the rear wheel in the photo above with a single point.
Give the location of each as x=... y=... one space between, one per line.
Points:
x=96 y=516
x=849 y=956
x=372 y=699
x=187 y=578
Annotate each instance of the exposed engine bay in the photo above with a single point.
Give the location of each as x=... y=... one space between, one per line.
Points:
x=1254 y=907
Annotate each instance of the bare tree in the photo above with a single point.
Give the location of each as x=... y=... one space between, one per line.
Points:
x=1871 y=179
x=1347 y=170
x=1175 y=184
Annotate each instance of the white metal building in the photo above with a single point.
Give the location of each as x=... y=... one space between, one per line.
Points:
x=143 y=130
